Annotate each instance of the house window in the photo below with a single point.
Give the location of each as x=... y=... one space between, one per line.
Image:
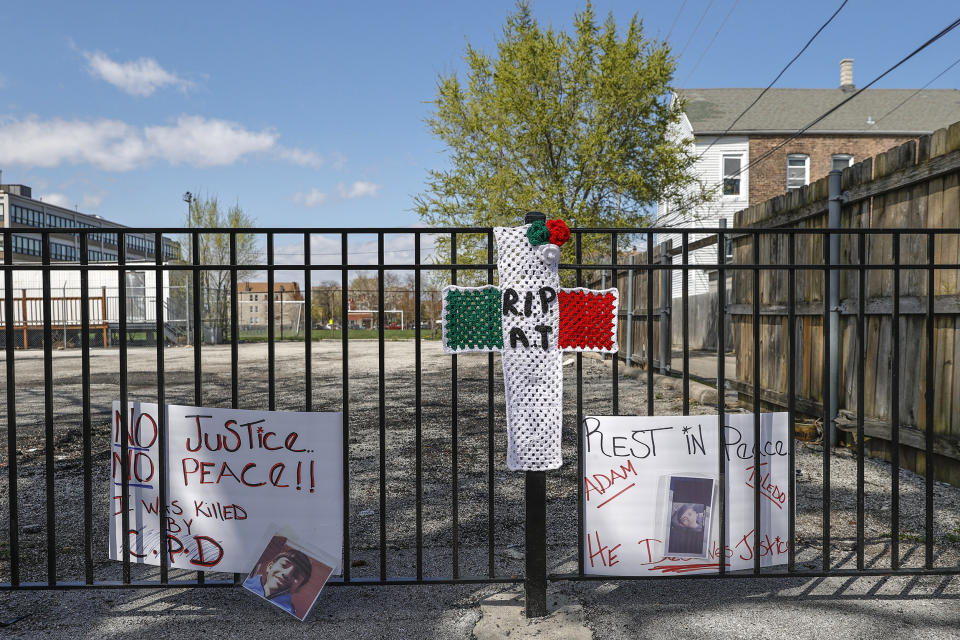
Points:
x=840 y=161
x=798 y=170
x=731 y=175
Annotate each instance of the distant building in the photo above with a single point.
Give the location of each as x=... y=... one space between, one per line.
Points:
x=253 y=305
x=20 y=211
x=24 y=216
x=875 y=121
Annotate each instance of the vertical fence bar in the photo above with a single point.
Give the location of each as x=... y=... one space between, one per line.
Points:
x=308 y=325
x=271 y=329
x=895 y=411
x=418 y=398
x=234 y=326
x=757 y=474
x=490 y=430
x=930 y=388
x=861 y=332
x=49 y=452
x=13 y=530
x=162 y=452
x=197 y=322
x=197 y=337
x=666 y=308
x=382 y=411
x=345 y=394
x=791 y=401
x=234 y=341
x=124 y=410
x=649 y=323
x=628 y=337
x=454 y=437
x=85 y=411
x=580 y=558
x=827 y=417
x=615 y=365
x=721 y=395
x=685 y=319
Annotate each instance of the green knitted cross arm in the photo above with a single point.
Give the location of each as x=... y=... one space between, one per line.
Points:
x=472 y=319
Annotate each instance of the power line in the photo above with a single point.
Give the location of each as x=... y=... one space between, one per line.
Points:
x=679 y=11
x=914 y=94
x=779 y=75
x=950 y=27
x=694 y=32
x=712 y=40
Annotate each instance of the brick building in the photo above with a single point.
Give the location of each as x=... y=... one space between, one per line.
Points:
x=253 y=305
x=874 y=121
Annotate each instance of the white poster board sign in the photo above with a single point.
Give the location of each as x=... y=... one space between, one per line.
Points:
x=232 y=475
x=651 y=494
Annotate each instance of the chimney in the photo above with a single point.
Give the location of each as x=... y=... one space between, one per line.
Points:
x=846 y=75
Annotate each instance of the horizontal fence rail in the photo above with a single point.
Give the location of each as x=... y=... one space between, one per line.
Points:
x=427 y=498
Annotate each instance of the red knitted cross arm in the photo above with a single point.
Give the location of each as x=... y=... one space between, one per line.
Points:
x=586 y=320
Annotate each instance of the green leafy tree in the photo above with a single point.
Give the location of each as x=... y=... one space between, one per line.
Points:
x=576 y=125
x=214 y=249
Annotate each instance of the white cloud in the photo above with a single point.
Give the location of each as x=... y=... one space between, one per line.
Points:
x=325 y=250
x=339 y=161
x=359 y=189
x=301 y=157
x=200 y=142
x=113 y=145
x=91 y=201
x=139 y=77
x=57 y=199
x=312 y=198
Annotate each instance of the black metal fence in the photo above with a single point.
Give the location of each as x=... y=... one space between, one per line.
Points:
x=424 y=535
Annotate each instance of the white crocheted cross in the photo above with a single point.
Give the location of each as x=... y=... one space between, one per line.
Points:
x=531 y=321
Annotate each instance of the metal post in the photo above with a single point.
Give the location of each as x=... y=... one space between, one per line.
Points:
x=833 y=222
x=535 y=576
x=665 y=301
x=63 y=307
x=629 y=356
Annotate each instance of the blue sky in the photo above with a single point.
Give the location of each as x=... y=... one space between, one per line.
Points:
x=311 y=113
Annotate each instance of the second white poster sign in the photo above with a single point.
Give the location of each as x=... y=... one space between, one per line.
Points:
x=652 y=493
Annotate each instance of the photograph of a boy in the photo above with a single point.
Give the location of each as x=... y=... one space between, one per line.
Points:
x=690 y=506
x=686 y=528
x=287 y=577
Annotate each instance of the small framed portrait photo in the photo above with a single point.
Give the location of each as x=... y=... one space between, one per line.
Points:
x=289 y=576
x=689 y=509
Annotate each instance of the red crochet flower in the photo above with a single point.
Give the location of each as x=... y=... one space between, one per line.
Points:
x=559 y=232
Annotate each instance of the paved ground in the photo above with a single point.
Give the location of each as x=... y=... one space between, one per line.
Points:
x=798 y=608
x=867 y=608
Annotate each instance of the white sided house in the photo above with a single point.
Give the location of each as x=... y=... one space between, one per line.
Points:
x=747 y=158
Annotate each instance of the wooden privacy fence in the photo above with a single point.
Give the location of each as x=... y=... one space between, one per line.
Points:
x=912 y=186
x=644 y=330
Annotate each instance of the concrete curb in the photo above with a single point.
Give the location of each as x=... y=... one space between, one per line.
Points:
x=502 y=616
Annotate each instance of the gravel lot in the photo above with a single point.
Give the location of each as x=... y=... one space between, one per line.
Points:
x=438 y=450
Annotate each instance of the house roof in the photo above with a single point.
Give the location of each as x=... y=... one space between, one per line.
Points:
x=711 y=111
